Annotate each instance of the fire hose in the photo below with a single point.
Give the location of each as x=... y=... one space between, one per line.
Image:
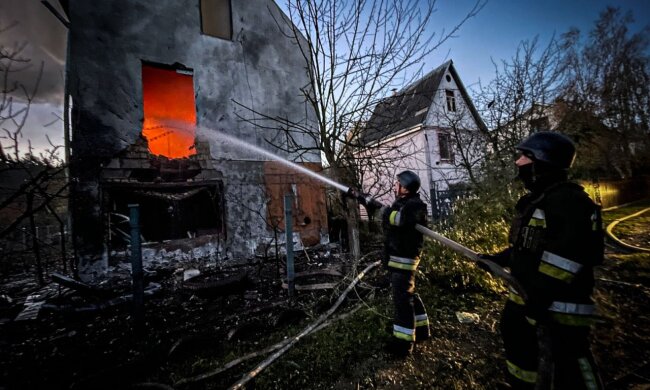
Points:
x=493 y=268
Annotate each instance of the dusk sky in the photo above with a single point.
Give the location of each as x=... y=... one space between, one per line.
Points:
x=493 y=34
x=497 y=30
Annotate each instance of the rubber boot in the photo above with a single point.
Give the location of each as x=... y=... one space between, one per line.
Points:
x=399 y=348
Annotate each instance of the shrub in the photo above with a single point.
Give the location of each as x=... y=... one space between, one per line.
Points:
x=481 y=223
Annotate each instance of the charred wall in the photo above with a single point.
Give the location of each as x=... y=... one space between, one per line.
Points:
x=258 y=69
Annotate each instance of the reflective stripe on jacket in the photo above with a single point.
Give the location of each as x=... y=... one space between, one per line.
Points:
x=556 y=239
x=402 y=244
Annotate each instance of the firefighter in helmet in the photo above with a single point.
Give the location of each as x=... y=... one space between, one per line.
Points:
x=402 y=246
x=554 y=243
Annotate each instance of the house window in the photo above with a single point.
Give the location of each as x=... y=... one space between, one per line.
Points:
x=451 y=100
x=446 y=149
x=216 y=18
x=539 y=124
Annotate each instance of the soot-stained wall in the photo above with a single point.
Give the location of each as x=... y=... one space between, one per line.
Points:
x=260 y=68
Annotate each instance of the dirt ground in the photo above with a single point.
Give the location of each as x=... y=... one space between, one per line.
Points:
x=194 y=327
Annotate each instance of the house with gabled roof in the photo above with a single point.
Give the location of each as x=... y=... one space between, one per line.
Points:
x=431 y=127
x=155 y=87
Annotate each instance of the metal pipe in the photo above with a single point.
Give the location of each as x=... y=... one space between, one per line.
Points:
x=136 y=267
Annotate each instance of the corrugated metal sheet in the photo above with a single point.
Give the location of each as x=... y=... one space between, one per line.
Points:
x=309 y=213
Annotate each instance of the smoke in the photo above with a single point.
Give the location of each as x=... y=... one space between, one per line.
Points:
x=44 y=37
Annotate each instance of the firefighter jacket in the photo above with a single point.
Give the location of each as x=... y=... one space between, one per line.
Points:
x=555 y=241
x=403 y=243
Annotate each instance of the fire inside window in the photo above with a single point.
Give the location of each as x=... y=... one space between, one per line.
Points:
x=169 y=113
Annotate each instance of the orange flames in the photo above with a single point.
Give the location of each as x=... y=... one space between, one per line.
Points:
x=169 y=114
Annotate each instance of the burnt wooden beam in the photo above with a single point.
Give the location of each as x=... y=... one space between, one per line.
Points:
x=83 y=288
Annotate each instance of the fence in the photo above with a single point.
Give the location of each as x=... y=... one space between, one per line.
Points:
x=616 y=192
x=442 y=202
x=20 y=240
x=608 y=193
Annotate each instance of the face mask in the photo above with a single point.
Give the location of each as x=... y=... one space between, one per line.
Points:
x=526 y=173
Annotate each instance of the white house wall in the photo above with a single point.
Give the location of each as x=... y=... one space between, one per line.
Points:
x=418 y=148
x=438 y=116
x=417 y=151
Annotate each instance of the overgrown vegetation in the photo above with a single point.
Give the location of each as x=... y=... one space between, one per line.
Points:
x=592 y=86
x=351 y=351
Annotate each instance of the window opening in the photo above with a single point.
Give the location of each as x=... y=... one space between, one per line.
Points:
x=445 y=145
x=216 y=18
x=539 y=124
x=169 y=111
x=451 y=100
x=168 y=213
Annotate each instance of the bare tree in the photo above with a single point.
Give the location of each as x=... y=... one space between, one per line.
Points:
x=358 y=52
x=517 y=102
x=467 y=143
x=40 y=175
x=607 y=93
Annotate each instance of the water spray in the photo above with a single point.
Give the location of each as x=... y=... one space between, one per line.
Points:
x=494 y=269
x=221 y=137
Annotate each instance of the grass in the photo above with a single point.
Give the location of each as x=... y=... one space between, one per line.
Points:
x=634 y=231
x=612 y=215
x=350 y=352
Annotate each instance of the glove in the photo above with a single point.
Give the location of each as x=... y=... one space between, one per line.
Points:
x=537 y=313
x=371 y=205
x=352 y=193
x=483 y=265
x=367 y=201
x=500 y=258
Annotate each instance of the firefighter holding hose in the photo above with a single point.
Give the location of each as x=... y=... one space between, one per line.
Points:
x=555 y=241
x=402 y=246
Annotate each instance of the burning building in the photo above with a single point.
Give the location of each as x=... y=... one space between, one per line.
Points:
x=149 y=83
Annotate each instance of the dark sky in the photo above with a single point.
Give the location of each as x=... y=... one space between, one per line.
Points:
x=45 y=37
x=493 y=34
x=28 y=21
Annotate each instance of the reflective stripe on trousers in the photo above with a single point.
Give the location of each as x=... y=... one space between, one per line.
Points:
x=421 y=320
x=403 y=333
x=403 y=263
x=521 y=374
x=573 y=314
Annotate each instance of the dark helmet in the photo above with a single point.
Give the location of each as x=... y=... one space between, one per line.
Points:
x=409 y=180
x=555 y=149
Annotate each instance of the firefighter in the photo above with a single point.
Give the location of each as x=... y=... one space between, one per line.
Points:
x=555 y=241
x=402 y=245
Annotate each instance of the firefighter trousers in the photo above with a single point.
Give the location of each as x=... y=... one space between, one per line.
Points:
x=573 y=366
x=411 y=322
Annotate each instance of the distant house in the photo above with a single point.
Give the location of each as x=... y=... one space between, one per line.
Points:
x=421 y=128
x=153 y=87
x=538 y=117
